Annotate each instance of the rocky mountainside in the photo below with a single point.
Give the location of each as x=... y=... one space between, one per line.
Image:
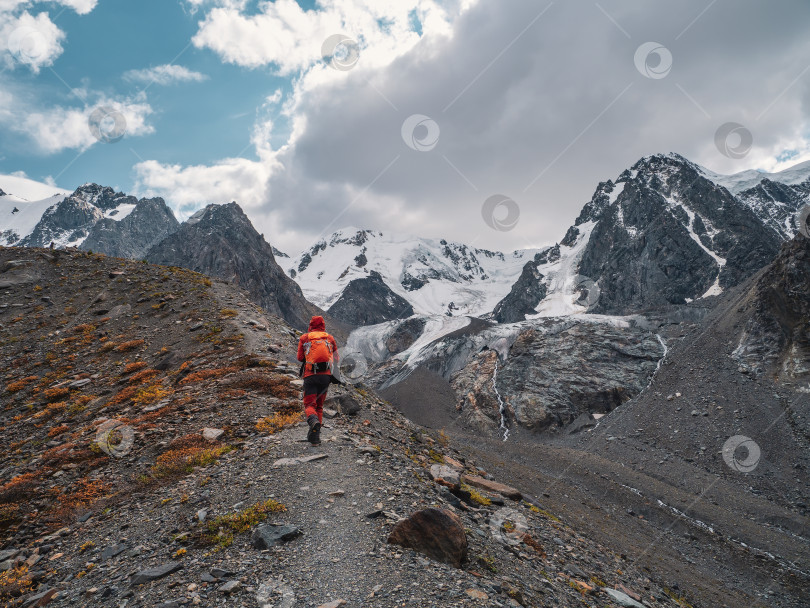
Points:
x=777 y=204
x=152 y=418
x=149 y=222
x=220 y=241
x=539 y=375
x=662 y=234
x=368 y=301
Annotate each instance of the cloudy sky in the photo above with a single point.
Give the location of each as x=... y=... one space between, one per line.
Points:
x=398 y=115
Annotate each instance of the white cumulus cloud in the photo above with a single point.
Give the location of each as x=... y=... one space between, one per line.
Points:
x=28 y=40
x=164 y=75
x=58 y=128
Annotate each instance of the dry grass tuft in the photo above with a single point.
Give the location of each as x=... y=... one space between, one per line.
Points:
x=130 y=345
x=207 y=374
x=278 y=421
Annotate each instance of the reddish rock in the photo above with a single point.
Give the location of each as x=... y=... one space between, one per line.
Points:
x=492 y=486
x=437 y=533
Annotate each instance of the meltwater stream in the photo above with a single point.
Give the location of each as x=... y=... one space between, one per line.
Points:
x=501 y=405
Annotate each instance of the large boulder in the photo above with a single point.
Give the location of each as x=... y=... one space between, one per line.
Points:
x=437 y=533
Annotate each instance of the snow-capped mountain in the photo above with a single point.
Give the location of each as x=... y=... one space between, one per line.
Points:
x=92 y=217
x=433 y=276
x=738 y=182
x=665 y=232
x=22 y=204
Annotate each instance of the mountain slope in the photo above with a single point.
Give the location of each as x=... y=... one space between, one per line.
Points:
x=177 y=504
x=368 y=301
x=220 y=241
x=777 y=204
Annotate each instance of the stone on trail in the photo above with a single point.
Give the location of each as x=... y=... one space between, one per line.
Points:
x=153 y=574
x=281 y=462
x=270 y=535
x=437 y=533
x=622 y=599
x=492 y=486
x=333 y=604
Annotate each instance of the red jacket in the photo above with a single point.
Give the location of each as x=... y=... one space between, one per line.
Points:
x=316 y=324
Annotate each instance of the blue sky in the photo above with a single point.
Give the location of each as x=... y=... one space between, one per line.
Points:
x=536 y=101
x=194 y=122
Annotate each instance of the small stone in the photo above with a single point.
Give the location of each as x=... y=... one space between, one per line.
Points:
x=153 y=574
x=300 y=460
x=622 y=598
x=477 y=594
x=333 y=604
x=212 y=434
x=230 y=587
x=267 y=536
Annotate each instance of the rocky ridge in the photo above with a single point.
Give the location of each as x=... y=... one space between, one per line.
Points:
x=220 y=241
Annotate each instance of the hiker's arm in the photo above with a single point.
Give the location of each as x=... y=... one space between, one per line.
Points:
x=301 y=348
x=333 y=342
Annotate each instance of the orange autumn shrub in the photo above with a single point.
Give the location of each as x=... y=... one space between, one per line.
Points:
x=130 y=345
x=55 y=394
x=207 y=374
x=134 y=367
x=143 y=376
x=18 y=385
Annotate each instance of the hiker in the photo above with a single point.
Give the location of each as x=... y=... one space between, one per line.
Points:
x=317 y=351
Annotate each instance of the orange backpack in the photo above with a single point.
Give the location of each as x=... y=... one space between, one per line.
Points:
x=318 y=352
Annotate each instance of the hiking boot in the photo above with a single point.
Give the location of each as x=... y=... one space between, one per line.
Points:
x=314 y=433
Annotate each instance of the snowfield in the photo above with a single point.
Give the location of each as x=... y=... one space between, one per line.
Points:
x=443 y=278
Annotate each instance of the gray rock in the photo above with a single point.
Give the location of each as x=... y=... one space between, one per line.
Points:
x=153 y=574
x=113 y=551
x=230 y=587
x=622 y=598
x=266 y=536
x=212 y=434
x=346 y=404
x=282 y=462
